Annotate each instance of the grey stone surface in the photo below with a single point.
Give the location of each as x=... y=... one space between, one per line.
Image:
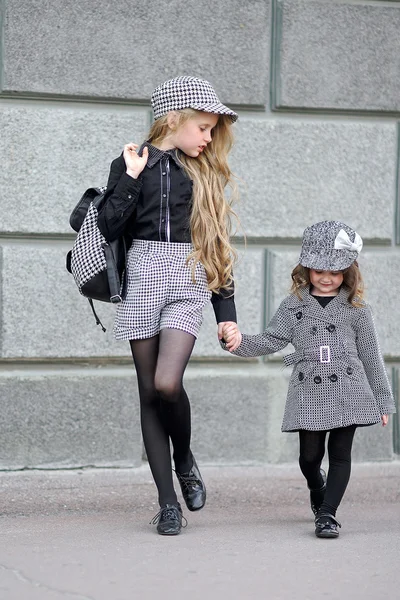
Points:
x=44 y=316
x=66 y=417
x=58 y=417
x=338 y=55
x=374 y=443
x=249 y=298
x=72 y=417
x=1 y=303
x=125 y=50
x=237 y=416
x=296 y=172
x=238 y=412
x=382 y=289
x=50 y=155
x=231 y=410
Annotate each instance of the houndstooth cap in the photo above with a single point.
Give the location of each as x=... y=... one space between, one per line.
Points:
x=329 y=246
x=188 y=92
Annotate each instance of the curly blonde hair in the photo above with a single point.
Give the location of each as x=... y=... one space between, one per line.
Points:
x=352 y=281
x=212 y=213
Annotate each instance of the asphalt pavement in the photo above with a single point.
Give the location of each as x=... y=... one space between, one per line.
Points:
x=86 y=535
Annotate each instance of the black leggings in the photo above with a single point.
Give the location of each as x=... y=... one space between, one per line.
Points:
x=312 y=450
x=160 y=363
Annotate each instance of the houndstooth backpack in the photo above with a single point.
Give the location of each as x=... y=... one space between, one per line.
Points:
x=97 y=266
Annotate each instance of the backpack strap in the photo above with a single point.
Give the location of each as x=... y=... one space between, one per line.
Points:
x=124 y=282
x=112 y=274
x=98 y=322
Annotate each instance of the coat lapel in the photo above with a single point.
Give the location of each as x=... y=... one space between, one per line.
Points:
x=313 y=308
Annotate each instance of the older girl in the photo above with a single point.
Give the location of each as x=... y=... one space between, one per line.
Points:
x=167 y=197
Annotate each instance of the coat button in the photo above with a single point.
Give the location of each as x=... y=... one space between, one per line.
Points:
x=317 y=379
x=333 y=377
x=299 y=314
x=331 y=328
x=349 y=370
x=314 y=329
x=301 y=376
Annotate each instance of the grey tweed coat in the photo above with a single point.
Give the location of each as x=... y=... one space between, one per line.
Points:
x=339 y=377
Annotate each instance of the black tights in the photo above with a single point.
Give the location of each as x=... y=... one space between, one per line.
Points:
x=160 y=363
x=312 y=450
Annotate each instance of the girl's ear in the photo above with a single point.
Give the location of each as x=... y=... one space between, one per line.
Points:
x=172 y=120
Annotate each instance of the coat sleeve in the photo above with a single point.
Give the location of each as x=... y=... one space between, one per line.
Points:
x=276 y=337
x=120 y=201
x=370 y=355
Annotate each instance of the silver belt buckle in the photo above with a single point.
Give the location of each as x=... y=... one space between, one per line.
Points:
x=324 y=354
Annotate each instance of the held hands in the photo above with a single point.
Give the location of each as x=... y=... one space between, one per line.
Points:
x=229 y=331
x=135 y=163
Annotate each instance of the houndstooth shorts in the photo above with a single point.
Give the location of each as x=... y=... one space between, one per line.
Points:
x=160 y=291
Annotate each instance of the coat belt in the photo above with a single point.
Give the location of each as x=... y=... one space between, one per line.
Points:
x=320 y=354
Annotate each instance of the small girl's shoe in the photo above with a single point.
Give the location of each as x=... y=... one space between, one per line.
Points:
x=317 y=496
x=326 y=526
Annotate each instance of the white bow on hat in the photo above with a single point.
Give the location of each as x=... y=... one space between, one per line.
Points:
x=343 y=242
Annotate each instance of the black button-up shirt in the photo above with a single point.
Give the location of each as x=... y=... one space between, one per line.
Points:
x=156 y=206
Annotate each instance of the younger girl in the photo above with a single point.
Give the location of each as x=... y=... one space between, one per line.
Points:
x=339 y=379
x=167 y=199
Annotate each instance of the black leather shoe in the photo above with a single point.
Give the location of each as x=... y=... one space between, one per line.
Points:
x=169 y=520
x=193 y=488
x=326 y=526
x=317 y=496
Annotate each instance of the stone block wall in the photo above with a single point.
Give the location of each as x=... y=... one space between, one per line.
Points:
x=316 y=85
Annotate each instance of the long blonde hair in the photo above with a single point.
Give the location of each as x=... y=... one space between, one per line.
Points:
x=211 y=214
x=352 y=281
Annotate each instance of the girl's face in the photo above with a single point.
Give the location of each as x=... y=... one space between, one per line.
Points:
x=193 y=136
x=325 y=283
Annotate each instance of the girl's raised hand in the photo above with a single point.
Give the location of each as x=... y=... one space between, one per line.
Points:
x=135 y=163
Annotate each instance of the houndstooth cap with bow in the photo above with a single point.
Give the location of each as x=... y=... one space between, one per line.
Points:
x=329 y=246
x=188 y=92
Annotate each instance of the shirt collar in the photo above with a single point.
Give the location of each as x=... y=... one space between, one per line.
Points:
x=155 y=155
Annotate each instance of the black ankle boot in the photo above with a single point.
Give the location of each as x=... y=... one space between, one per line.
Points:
x=169 y=520
x=326 y=526
x=193 y=488
x=317 y=495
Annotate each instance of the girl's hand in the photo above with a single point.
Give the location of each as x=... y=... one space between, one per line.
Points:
x=135 y=163
x=385 y=420
x=229 y=331
x=234 y=341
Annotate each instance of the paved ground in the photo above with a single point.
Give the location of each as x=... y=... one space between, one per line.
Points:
x=85 y=535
